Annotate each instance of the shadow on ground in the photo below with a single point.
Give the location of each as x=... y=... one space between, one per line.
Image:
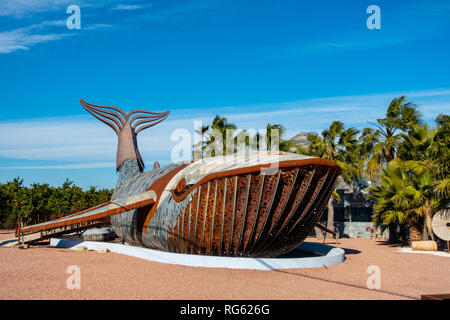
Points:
x=351 y=251
x=339 y=282
x=390 y=244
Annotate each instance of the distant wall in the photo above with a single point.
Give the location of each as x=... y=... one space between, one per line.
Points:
x=364 y=230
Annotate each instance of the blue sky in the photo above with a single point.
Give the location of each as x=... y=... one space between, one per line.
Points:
x=299 y=63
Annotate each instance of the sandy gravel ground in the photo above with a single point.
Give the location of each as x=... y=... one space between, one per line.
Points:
x=41 y=273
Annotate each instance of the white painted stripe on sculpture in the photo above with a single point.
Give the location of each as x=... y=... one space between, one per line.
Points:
x=321 y=256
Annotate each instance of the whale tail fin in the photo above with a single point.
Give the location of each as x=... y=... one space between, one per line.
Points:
x=126 y=126
x=116 y=118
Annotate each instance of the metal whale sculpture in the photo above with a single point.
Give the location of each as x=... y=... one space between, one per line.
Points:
x=262 y=204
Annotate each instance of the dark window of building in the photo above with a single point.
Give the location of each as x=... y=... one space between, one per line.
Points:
x=341 y=214
x=324 y=217
x=362 y=214
x=358 y=214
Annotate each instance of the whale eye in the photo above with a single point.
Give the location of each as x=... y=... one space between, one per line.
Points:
x=182 y=189
x=181 y=186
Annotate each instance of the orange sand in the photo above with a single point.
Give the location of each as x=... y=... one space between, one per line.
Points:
x=40 y=273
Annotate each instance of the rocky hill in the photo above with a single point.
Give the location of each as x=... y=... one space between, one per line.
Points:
x=301 y=138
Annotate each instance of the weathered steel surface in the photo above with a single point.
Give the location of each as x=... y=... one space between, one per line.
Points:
x=263 y=215
x=227 y=206
x=102 y=211
x=126 y=127
x=259 y=204
x=129 y=225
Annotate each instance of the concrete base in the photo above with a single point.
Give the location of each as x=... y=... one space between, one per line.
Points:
x=98 y=234
x=307 y=255
x=436 y=253
x=9 y=242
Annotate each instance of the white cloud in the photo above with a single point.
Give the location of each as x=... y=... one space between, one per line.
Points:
x=128 y=7
x=93 y=165
x=19 y=8
x=97 y=26
x=82 y=142
x=317 y=114
x=173 y=12
x=79 y=139
x=24 y=38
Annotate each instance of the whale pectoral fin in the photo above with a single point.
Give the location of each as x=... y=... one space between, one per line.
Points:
x=97 y=213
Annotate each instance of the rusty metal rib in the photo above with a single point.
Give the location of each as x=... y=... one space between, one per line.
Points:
x=286 y=223
x=204 y=216
x=212 y=220
x=176 y=240
x=288 y=239
x=269 y=210
x=189 y=227
x=316 y=193
x=223 y=216
x=232 y=217
x=288 y=197
x=196 y=215
x=245 y=212
x=269 y=241
x=293 y=243
x=324 y=194
x=256 y=212
x=181 y=240
x=292 y=238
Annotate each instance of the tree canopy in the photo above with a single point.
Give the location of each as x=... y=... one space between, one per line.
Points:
x=40 y=202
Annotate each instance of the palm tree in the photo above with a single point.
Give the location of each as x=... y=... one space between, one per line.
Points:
x=441 y=145
x=422 y=156
x=413 y=186
x=379 y=146
x=283 y=145
x=340 y=145
x=205 y=146
x=393 y=196
x=222 y=125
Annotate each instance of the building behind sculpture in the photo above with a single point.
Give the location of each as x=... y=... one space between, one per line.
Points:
x=353 y=212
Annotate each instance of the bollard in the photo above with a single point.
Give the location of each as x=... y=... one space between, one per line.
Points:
x=424 y=245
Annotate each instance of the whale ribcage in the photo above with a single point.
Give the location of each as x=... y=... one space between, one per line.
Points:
x=253 y=214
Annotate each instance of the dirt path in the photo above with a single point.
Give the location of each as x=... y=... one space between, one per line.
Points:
x=41 y=273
